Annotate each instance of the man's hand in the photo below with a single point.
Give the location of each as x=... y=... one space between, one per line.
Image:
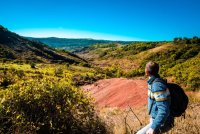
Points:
x=150 y=131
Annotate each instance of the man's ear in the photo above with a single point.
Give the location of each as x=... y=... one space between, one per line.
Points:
x=147 y=72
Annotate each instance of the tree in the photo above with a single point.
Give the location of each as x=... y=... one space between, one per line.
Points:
x=186 y=40
x=195 y=40
x=177 y=40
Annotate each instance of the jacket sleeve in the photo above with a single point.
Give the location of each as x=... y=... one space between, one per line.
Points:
x=161 y=95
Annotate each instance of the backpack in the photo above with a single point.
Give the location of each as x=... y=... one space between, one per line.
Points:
x=179 y=99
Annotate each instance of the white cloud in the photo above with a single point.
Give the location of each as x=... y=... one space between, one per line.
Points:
x=62 y=33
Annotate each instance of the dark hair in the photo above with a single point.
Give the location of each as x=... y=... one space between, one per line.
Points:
x=152 y=68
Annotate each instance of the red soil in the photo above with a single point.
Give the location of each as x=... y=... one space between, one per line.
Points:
x=119 y=92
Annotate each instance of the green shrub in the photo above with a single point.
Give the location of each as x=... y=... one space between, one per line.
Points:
x=134 y=73
x=84 y=64
x=3 y=60
x=86 y=79
x=33 y=65
x=58 y=71
x=6 y=79
x=20 y=73
x=44 y=106
x=187 y=73
x=102 y=54
x=138 y=47
x=113 y=71
x=67 y=65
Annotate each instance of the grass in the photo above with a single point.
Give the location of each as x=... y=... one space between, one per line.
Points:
x=50 y=70
x=125 y=122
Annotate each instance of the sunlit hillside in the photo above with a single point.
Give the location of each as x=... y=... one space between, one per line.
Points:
x=19 y=49
x=179 y=62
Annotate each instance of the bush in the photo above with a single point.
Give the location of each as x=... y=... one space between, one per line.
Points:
x=138 y=47
x=180 y=40
x=32 y=64
x=113 y=71
x=20 y=73
x=6 y=79
x=134 y=73
x=84 y=64
x=46 y=107
x=187 y=73
x=58 y=71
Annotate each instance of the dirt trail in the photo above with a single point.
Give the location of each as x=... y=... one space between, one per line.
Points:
x=119 y=92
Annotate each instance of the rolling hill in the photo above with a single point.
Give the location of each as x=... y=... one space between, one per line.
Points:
x=179 y=62
x=15 y=47
x=73 y=44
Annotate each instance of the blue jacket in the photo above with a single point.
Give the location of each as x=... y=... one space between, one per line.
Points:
x=158 y=102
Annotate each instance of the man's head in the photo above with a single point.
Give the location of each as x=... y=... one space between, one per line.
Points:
x=151 y=68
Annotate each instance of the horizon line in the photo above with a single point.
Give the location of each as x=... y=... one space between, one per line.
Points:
x=73 y=34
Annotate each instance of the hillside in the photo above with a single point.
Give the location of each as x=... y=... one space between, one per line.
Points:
x=72 y=44
x=118 y=92
x=15 y=47
x=179 y=62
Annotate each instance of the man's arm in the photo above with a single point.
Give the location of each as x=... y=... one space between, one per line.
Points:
x=161 y=95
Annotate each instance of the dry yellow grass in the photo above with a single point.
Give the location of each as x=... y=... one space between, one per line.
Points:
x=139 y=57
x=126 y=63
x=125 y=122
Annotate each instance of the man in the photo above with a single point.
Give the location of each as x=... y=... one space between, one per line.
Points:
x=158 y=102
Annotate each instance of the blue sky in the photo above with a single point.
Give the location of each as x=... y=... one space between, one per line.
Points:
x=148 y=20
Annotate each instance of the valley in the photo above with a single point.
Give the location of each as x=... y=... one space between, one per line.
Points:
x=100 y=88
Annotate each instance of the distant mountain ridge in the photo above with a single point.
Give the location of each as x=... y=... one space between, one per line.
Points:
x=73 y=44
x=15 y=47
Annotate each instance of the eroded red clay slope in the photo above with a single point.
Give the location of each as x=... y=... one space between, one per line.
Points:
x=119 y=92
